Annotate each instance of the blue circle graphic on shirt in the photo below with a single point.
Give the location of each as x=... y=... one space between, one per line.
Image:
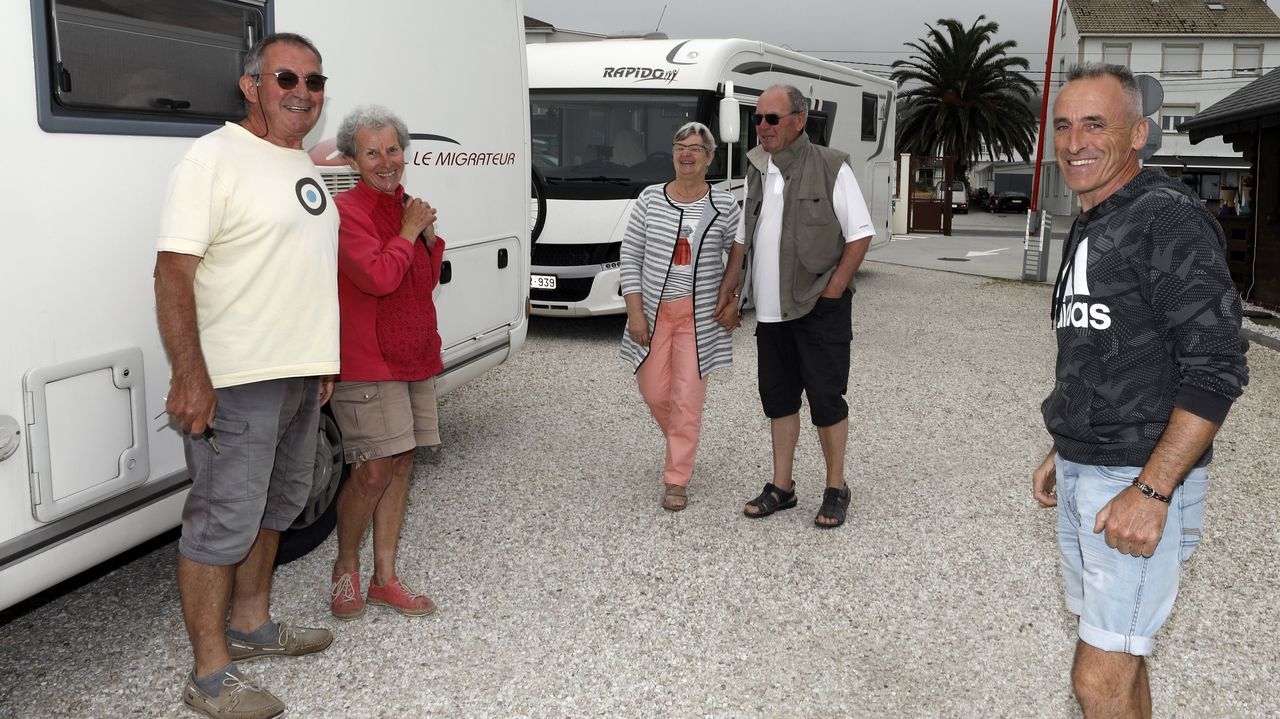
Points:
x=312 y=196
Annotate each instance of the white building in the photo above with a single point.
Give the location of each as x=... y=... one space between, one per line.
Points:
x=1200 y=51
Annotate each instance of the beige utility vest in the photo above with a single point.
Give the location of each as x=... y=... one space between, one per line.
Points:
x=812 y=241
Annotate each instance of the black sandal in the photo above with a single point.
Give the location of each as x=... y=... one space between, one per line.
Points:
x=835 y=504
x=771 y=500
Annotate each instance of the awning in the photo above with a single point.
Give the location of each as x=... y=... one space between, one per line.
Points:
x=1198 y=162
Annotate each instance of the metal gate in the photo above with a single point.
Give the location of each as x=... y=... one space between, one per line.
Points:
x=929 y=209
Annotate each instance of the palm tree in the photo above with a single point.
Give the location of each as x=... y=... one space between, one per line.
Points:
x=964 y=94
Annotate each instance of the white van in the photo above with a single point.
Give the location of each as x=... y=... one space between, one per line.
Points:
x=102 y=99
x=603 y=115
x=958 y=196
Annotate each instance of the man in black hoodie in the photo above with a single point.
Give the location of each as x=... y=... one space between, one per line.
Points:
x=1149 y=361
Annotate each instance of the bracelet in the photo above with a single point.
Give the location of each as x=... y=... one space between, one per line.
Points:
x=1150 y=491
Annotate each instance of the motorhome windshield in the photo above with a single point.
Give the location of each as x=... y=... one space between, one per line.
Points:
x=619 y=139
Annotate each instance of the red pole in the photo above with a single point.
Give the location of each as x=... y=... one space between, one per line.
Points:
x=1044 y=109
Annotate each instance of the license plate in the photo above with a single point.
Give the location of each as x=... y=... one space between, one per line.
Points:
x=542 y=282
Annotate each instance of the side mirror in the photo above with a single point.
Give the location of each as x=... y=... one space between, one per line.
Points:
x=730 y=125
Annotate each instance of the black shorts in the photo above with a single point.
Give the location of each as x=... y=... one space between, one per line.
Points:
x=809 y=355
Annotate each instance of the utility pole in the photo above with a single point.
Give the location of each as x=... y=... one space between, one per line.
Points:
x=1044 y=109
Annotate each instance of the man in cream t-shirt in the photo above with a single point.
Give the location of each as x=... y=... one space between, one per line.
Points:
x=246 y=299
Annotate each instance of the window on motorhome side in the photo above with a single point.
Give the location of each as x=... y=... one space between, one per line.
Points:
x=588 y=143
x=870 y=105
x=164 y=60
x=816 y=128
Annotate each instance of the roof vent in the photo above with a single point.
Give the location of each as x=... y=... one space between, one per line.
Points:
x=1215 y=6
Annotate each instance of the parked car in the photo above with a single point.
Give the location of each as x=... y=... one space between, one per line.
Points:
x=1012 y=202
x=959 y=197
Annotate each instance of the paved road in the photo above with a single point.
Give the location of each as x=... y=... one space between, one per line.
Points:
x=981 y=243
x=565 y=591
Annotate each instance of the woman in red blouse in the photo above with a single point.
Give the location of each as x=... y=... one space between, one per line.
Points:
x=385 y=403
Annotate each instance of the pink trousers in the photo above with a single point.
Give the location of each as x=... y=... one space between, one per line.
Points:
x=670 y=385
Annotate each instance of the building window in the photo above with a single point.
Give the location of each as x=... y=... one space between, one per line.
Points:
x=1248 y=61
x=1062 y=70
x=1180 y=59
x=1171 y=115
x=1116 y=53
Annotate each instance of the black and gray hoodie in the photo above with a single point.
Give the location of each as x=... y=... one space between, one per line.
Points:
x=1147 y=320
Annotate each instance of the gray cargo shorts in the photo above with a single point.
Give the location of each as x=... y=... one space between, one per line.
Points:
x=261 y=475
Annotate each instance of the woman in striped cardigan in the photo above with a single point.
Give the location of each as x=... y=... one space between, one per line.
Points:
x=672 y=262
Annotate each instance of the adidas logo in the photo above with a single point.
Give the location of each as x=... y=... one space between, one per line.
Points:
x=1080 y=312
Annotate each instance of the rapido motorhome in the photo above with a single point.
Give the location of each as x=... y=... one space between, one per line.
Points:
x=603 y=115
x=104 y=97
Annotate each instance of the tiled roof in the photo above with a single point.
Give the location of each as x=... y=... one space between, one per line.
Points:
x=1165 y=17
x=1257 y=99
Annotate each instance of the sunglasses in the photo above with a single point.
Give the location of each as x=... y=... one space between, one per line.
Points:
x=772 y=118
x=288 y=79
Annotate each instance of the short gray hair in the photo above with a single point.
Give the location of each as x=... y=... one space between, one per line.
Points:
x=1095 y=70
x=696 y=128
x=797 y=100
x=369 y=117
x=253 y=59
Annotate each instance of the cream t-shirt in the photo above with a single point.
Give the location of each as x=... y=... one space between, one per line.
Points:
x=266 y=229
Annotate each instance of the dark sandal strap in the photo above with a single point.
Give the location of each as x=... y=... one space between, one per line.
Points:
x=771 y=498
x=835 y=504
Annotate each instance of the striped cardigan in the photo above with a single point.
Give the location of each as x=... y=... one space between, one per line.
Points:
x=647 y=249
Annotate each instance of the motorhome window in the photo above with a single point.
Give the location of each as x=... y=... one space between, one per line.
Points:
x=616 y=139
x=816 y=127
x=159 y=61
x=870 y=103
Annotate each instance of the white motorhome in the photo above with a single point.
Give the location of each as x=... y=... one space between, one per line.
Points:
x=603 y=115
x=102 y=99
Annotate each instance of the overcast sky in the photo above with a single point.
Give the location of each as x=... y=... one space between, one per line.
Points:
x=870 y=33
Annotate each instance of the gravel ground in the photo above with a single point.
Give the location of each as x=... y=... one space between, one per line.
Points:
x=565 y=590
x=1264 y=330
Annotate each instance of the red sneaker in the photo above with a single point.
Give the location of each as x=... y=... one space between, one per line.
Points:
x=346 y=602
x=393 y=594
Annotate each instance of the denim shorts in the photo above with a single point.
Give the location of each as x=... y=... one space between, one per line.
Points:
x=1122 y=600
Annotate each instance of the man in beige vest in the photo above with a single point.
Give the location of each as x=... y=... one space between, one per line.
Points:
x=805 y=229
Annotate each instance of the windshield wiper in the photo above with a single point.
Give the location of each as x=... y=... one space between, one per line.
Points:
x=595 y=178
